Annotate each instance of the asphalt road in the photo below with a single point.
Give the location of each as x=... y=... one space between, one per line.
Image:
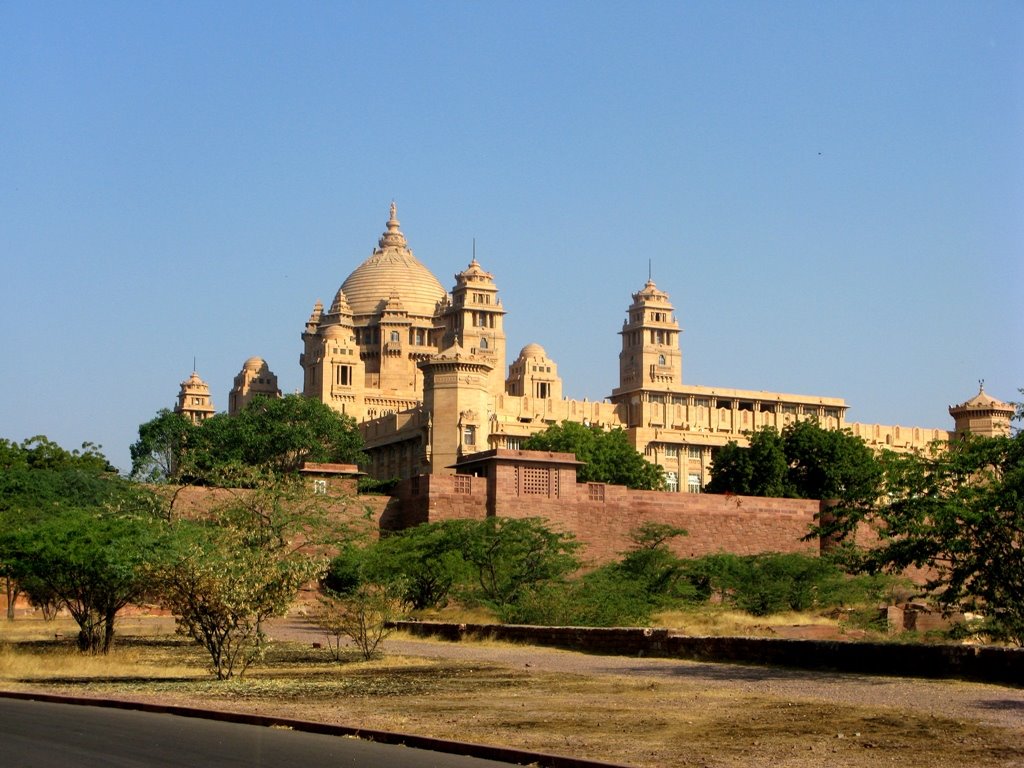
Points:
x=37 y=734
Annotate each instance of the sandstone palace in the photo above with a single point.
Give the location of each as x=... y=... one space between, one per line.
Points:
x=425 y=374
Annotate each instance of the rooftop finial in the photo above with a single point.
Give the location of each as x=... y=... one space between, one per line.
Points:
x=393 y=236
x=981 y=386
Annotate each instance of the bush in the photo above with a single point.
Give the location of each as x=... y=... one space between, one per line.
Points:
x=602 y=598
x=777 y=582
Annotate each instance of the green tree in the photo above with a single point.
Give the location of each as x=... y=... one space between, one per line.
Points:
x=509 y=556
x=72 y=531
x=761 y=469
x=161 y=444
x=269 y=439
x=651 y=564
x=959 y=512
x=223 y=577
x=91 y=561
x=624 y=593
x=427 y=559
x=607 y=455
x=808 y=462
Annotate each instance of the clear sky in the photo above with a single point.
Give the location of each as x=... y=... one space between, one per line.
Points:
x=831 y=192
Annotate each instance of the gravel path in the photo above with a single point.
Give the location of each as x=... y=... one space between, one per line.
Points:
x=979 y=702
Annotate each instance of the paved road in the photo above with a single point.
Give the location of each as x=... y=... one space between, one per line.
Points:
x=37 y=734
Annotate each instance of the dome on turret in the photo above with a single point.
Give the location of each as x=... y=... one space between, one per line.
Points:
x=533 y=350
x=392 y=270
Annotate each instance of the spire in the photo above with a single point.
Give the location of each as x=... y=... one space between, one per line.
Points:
x=393 y=237
x=340 y=304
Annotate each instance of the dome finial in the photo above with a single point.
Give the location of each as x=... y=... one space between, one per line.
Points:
x=393 y=237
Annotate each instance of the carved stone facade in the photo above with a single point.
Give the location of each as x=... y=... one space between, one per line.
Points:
x=254 y=379
x=423 y=373
x=194 y=401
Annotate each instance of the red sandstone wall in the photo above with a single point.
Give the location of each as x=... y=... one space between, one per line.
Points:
x=737 y=524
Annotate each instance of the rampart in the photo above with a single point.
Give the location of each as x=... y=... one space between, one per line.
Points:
x=520 y=484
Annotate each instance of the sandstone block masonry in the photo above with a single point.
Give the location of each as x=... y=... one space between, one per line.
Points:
x=511 y=483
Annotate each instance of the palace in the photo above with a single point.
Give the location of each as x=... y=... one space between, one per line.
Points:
x=423 y=373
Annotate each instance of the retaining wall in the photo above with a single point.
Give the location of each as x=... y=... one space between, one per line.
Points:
x=982 y=663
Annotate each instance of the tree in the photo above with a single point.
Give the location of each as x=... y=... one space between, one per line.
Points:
x=651 y=564
x=512 y=555
x=93 y=562
x=427 y=559
x=959 y=513
x=223 y=577
x=758 y=470
x=806 y=462
x=366 y=615
x=269 y=439
x=830 y=464
x=73 y=532
x=158 y=451
x=607 y=455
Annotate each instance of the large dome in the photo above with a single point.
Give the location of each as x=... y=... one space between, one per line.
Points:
x=392 y=270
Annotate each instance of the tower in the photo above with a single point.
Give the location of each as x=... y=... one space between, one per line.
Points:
x=456 y=397
x=474 y=321
x=650 y=356
x=333 y=370
x=254 y=379
x=982 y=415
x=534 y=374
x=194 y=401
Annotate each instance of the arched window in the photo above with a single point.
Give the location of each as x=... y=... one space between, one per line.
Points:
x=395 y=337
x=661 y=359
x=483 y=343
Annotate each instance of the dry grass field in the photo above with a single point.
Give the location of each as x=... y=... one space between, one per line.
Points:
x=666 y=714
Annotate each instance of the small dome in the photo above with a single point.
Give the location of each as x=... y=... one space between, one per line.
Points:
x=335 y=331
x=533 y=350
x=982 y=400
x=254 y=364
x=392 y=270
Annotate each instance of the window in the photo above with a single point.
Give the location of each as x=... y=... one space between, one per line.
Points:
x=343 y=375
x=513 y=443
x=469 y=434
x=671 y=451
x=693 y=452
x=543 y=390
x=693 y=483
x=395 y=337
x=483 y=343
x=320 y=487
x=661 y=359
x=672 y=482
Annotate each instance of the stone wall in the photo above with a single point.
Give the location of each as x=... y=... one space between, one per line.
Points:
x=602 y=516
x=983 y=663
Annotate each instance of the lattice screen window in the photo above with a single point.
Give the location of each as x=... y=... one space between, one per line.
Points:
x=595 y=491
x=536 y=482
x=462 y=484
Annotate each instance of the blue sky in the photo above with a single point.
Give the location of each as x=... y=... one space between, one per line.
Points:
x=832 y=193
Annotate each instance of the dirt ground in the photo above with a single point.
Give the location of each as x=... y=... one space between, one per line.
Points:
x=632 y=711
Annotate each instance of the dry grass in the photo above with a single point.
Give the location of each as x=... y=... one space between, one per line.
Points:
x=638 y=721
x=711 y=620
